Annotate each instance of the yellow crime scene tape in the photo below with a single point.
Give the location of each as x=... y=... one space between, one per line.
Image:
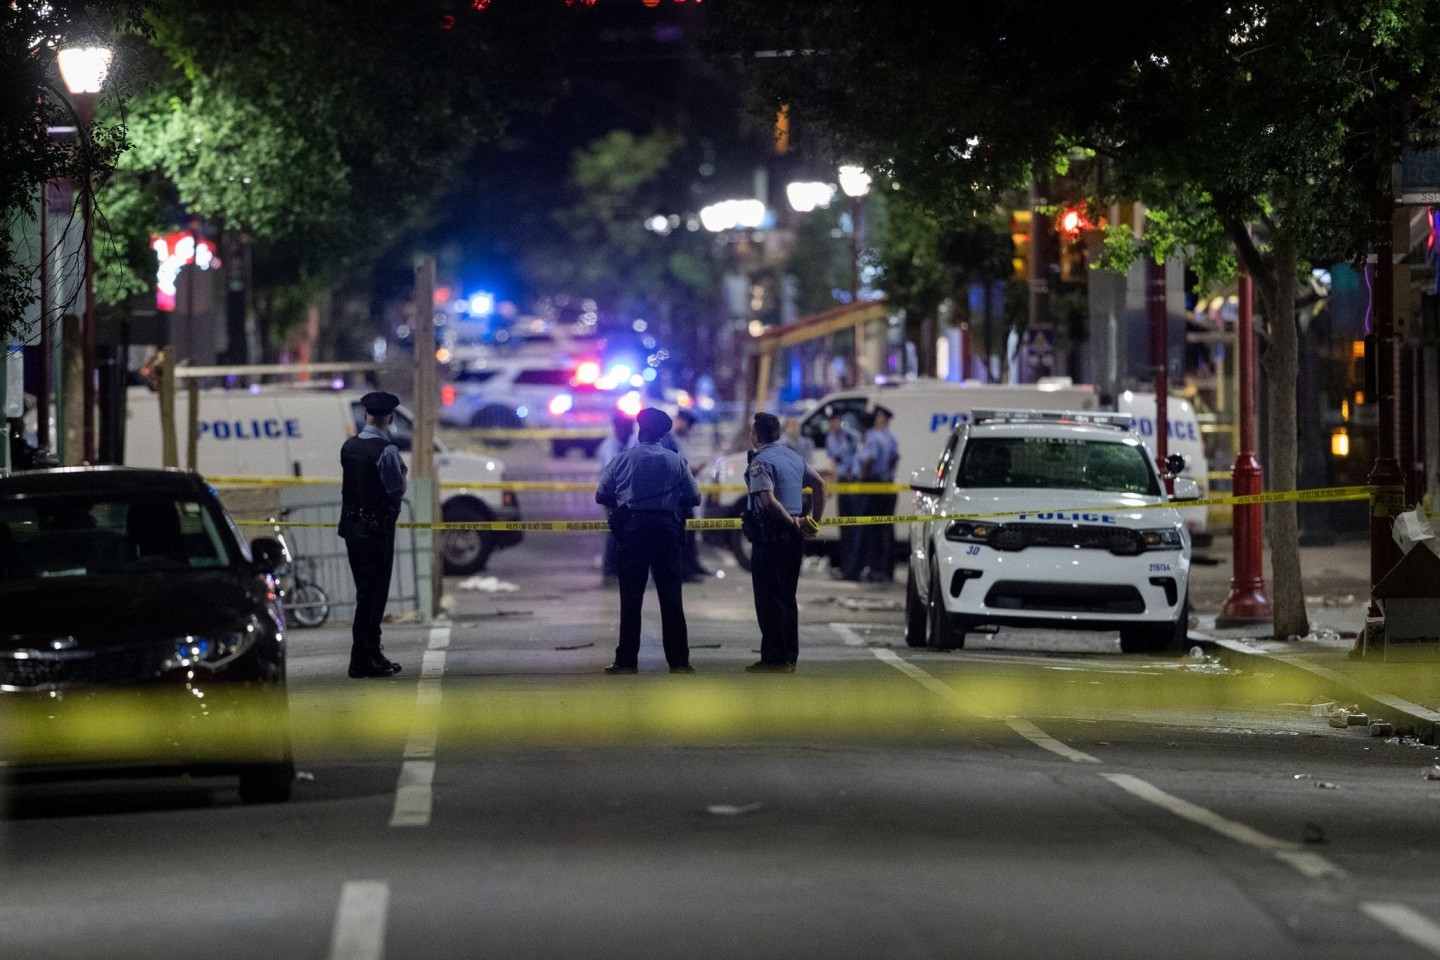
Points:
x=338 y=720
x=536 y=486
x=1313 y=495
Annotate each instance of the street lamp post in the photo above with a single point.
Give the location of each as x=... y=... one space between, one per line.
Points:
x=855 y=183
x=84 y=68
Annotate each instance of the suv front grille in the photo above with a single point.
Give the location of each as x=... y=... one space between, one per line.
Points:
x=1065 y=597
x=43 y=668
x=1018 y=536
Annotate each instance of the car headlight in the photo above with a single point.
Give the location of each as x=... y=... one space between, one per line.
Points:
x=215 y=648
x=968 y=531
x=1163 y=538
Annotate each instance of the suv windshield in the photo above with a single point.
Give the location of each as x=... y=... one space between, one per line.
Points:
x=79 y=535
x=1056 y=463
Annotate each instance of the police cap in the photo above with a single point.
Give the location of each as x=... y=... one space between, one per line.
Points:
x=654 y=421
x=379 y=403
x=884 y=411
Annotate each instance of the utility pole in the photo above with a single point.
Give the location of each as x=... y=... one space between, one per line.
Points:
x=424 y=490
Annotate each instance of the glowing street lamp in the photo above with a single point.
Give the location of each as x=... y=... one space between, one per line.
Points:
x=806 y=196
x=855 y=183
x=84 y=68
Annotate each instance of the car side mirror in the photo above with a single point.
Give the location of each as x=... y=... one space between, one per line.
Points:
x=923 y=481
x=269 y=555
x=1174 y=465
x=1185 y=489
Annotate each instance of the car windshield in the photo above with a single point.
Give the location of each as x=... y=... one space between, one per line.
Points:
x=79 y=535
x=1060 y=463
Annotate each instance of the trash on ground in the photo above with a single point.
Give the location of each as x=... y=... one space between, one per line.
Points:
x=1326 y=785
x=304 y=775
x=1323 y=709
x=1381 y=728
x=730 y=810
x=486 y=585
x=704 y=646
x=1300 y=776
x=575 y=646
x=1433 y=772
x=869 y=603
x=1197 y=653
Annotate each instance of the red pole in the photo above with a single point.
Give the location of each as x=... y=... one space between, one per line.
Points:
x=1248 y=603
x=1384 y=551
x=1159 y=357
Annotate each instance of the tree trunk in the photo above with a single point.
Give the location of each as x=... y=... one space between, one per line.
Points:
x=1277 y=283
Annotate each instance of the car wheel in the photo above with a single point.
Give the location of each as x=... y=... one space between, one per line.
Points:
x=1170 y=637
x=267 y=782
x=943 y=634
x=310 y=605
x=465 y=552
x=915 y=613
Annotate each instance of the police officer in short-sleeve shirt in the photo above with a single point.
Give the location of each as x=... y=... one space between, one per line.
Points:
x=776 y=478
x=648 y=487
x=371 y=488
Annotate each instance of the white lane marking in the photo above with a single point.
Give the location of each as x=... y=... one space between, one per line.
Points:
x=413 y=795
x=359 y=932
x=1310 y=864
x=848 y=634
x=1044 y=741
x=1406 y=922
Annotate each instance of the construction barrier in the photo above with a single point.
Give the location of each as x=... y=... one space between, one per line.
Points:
x=1314 y=495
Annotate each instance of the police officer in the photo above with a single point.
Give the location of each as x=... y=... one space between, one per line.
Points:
x=690 y=550
x=776 y=478
x=621 y=438
x=372 y=486
x=646 y=488
x=879 y=454
x=842 y=444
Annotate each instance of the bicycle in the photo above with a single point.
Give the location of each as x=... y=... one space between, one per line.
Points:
x=304 y=600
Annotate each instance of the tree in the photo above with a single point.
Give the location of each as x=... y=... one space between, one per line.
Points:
x=32 y=100
x=1267 y=127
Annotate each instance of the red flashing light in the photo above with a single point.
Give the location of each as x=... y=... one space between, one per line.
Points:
x=447 y=22
x=479 y=4
x=447 y=395
x=587 y=373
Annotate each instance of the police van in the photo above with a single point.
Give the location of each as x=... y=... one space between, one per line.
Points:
x=1183 y=431
x=925 y=412
x=282 y=431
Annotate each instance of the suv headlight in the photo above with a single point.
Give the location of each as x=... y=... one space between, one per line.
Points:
x=215 y=648
x=969 y=531
x=1162 y=538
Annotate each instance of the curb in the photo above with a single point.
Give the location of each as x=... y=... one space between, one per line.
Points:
x=1401 y=713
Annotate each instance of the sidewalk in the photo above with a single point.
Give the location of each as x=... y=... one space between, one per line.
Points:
x=1337 y=596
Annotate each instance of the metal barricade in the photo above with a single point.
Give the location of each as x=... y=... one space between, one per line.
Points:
x=324 y=552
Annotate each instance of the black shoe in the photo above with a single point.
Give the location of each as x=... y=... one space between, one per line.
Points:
x=615 y=668
x=683 y=668
x=764 y=667
x=364 y=670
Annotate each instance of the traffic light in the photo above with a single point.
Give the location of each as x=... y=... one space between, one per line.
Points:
x=1020 y=237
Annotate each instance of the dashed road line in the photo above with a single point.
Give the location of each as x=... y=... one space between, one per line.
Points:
x=1307 y=862
x=359 y=932
x=1043 y=740
x=1407 y=923
x=414 y=798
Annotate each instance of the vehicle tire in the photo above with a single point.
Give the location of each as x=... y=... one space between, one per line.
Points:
x=465 y=552
x=309 y=605
x=916 y=615
x=736 y=541
x=942 y=632
x=267 y=782
x=1169 y=637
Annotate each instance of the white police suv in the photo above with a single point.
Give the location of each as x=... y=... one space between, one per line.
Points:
x=1048 y=519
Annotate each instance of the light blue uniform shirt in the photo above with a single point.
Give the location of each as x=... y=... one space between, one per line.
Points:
x=881 y=452
x=392 y=468
x=842 y=448
x=649 y=477
x=776 y=467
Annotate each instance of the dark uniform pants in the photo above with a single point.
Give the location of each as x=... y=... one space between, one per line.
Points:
x=371 y=561
x=852 y=557
x=649 y=545
x=880 y=537
x=774 y=579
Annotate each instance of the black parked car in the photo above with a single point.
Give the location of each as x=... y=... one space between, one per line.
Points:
x=139 y=633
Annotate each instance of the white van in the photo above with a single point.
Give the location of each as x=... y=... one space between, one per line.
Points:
x=277 y=431
x=925 y=413
x=1183 y=430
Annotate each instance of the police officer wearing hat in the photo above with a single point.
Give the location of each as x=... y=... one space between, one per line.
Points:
x=647 y=488
x=879 y=453
x=776 y=480
x=371 y=488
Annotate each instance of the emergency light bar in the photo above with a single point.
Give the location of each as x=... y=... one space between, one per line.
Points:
x=1098 y=418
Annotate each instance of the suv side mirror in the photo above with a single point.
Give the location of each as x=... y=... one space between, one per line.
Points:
x=1185 y=489
x=1174 y=464
x=923 y=481
x=268 y=554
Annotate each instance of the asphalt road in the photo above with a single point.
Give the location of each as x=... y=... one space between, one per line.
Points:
x=1035 y=795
